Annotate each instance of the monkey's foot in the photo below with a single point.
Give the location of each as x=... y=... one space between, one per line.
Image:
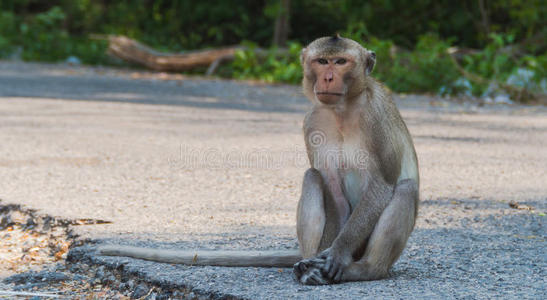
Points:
x=314 y=276
x=308 y=271
x=302 y=266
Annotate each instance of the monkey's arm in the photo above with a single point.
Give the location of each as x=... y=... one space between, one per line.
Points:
x=270 y=258
x=357 y=229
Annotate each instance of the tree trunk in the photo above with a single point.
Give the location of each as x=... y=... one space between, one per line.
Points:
x=484 y=17
x=281 y=32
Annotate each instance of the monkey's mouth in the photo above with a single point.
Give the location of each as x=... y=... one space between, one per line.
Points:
x=330 y=93
x=329 y=98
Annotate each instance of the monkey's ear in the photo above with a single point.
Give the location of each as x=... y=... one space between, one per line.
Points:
x=370 y=62
x=303 y=55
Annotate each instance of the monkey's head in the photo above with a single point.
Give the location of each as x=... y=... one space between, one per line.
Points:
x=335 y=68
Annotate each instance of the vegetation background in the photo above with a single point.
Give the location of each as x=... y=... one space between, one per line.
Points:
x=471 y=47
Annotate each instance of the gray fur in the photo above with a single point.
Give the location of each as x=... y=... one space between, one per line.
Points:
x=234 y=258
x=361 y=239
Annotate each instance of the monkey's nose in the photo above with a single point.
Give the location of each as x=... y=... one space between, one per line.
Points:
x=329 y=77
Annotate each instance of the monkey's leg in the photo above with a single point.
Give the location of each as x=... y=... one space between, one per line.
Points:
x=310 y=215
x=318 y=224
x=353 y=238
x=389 y=237
x=310 y=220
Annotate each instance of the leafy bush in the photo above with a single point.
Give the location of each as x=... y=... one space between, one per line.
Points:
x=42 y=37
x=426 y=69
x=7 y=32
x=271 y=67
x=538 y=64
x=491 y=62
x=498 y=63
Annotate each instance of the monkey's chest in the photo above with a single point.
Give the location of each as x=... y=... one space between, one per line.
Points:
x=353 y=170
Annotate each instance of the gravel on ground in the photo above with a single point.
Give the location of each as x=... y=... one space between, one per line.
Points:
x=176 y=162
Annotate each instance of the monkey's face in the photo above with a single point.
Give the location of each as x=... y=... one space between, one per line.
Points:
x=331 y=77
x=335 y=69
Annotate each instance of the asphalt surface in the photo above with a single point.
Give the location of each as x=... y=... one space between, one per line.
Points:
x=176 y=162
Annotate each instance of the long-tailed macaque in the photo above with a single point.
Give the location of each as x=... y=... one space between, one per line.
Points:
x=359 y=198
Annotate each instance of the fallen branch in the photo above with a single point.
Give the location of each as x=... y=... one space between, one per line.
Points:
x=132 y=51
x=135 y=52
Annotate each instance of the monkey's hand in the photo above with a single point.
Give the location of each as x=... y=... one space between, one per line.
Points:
x=335 y=263
x=308 y=271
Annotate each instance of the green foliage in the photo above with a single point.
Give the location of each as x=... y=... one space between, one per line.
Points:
x=43 y=37
x=270 y=68
x=7 y=33
x=188 y=24
x=409 y=38
x=493 y=62
x=427 y=68
x=537 y=64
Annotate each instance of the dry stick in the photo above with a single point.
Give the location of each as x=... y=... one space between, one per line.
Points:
x=27 y=294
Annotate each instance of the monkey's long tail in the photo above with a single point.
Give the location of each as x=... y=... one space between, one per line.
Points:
x=236 y=258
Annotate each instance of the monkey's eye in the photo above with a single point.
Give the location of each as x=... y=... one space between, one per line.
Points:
x=341 y=61
x=322 y=61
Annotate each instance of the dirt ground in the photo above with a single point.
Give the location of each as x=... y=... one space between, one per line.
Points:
x=181 y=162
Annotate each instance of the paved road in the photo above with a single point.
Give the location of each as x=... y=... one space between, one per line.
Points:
x=191 y=163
